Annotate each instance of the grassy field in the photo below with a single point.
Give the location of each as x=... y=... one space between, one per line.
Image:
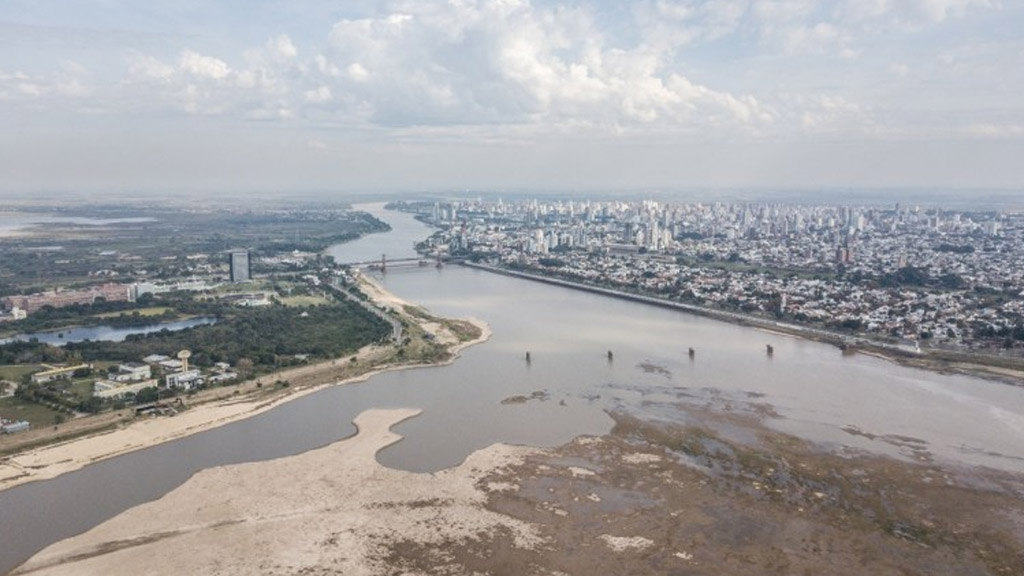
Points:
x=82 y=388
x=244 y=288
x=304 y=301
x=36 y=414
x=14 y=372
x=153 y=311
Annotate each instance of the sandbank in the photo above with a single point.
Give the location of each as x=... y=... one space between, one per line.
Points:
x=330 y=510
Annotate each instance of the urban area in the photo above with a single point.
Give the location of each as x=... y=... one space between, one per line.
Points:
x=130 y=320
x=898 y=274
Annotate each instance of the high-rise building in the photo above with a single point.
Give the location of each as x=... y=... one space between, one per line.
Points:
x=241 y=269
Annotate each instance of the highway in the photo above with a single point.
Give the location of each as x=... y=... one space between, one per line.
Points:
x=397 y=331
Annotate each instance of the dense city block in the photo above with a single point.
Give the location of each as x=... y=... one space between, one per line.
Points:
x=904 y=274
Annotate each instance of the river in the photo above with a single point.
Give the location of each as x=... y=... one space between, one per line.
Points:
x=811 y=389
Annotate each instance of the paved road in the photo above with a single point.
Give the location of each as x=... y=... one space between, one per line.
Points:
x=396 y=326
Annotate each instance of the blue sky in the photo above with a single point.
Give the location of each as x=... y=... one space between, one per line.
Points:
x=511 y=94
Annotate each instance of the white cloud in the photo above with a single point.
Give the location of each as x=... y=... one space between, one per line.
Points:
x=470 y=62
x=829 y=113
x=815 y=38
x=324 y=67
x=357 y=73
x=883 y=14
x=628 y=78
x=70 y=83
x=30 y=89
x=318 y=96
x=900 y=70
x=203 y=66
x=995 y=131
x=939 y=10
x=143 y=67
x=281 y=47
x=316 y=144
x=492 y=66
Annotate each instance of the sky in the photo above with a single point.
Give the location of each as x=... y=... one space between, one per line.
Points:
x=510 y=94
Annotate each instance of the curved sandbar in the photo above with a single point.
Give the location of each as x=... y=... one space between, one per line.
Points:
x=326 y=510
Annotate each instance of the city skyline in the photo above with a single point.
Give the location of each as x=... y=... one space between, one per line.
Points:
x=415 y=95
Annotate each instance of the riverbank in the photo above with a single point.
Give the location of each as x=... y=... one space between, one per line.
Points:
x=329 y=510
x=1005 y=370
x=47 y=453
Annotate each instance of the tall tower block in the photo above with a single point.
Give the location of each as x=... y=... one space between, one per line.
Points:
x=241 y=266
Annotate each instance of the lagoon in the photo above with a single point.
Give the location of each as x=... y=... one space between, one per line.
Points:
x=106 y=333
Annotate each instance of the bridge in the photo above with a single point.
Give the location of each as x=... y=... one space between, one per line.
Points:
x=384 y=263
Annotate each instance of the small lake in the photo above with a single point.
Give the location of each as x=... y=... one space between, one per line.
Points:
x=107 y=333
x=17 y=221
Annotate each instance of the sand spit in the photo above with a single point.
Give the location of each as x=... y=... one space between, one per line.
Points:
x=212 y=408
x=333 y=510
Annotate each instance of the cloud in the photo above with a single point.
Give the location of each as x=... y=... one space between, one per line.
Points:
x=318 y=96
x=829 y=114
x=900 y=70
x=70 y=82
x=994 y=131
x=357 y=73
x=281 y=48
x=512 y=62
x=203 y=66
x=489 y=68
x=888 y=14
x=260 y=86
x=142 y=67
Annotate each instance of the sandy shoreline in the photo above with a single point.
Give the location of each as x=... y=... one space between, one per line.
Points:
x=52 y=460
x=329 y=510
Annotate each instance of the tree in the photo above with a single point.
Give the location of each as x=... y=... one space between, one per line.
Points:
x=92 y=405
x=82 y=372
x=244 y=367
x=147 y=395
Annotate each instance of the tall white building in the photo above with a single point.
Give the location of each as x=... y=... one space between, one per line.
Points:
x=241 y=269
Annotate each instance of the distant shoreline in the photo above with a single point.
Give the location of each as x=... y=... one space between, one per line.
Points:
x=1007 y=371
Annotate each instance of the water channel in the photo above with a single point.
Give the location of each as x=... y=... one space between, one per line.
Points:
x=107 y=333
x=817 y=393
x=12 y=222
